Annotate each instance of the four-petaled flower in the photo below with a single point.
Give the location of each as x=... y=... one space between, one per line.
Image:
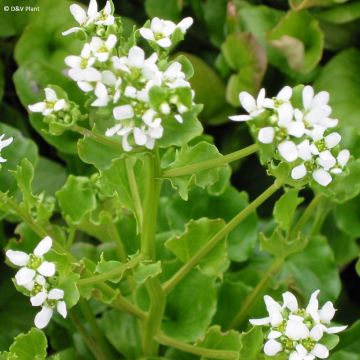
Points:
x=32 y=264
x=51 y=103
x=296 y=331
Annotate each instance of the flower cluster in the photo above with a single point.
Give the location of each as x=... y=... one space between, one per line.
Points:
x=301 y=134
x=35 y=276
x=3 y=144
x=142 y=92
x=295 y=331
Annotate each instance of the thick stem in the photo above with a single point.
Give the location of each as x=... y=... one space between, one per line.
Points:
x=204 y=352
x=230 y=226
x=119 y=271
x=115 y=236
x=209 y=164
x=252 y=298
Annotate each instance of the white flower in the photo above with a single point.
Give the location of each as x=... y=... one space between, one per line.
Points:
x=174 y=77
x=252 y=106
x=108 y=89
x=288 y=150
x=84 y=61
x=3 y=144
x=51 y=103
x=297 y=332
x=49 y=301
x=92 y=16
x=102 y=49
x=32 y=264
x=266 y=135
x=160 y=31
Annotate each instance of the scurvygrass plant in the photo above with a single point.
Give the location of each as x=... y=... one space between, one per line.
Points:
x=173 y=265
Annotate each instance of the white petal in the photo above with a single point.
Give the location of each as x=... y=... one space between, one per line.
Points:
x=313 y=306
x=316 y=333
x=100 y=90
x=285 y=93
x=70 y=31
x=184 y=24
x=335 y=329
x=304 y=150
x=43 y=246
x=60 y=105
x=327 y=312
x=147 y=34
x=326 y=160
x=271 y=304
x=290 y=301
x=47 y=269
x=61 y=308
x=307 y=96
x=50 y=94
x=111 y=41
x=298 y=172
x=266 y=135
x=43 y=317
x=247 y=101
x=276 y=318
x=78 y=13
x=112 y=131
x=260 y=98
x=259 y=322
x=38 y=107
x=285 y=113
x=295 y=356
x=322 y=177
x=73 y=61
x=272 y=347
x=322 y=98
x=301 y=350
x=296 y=330
x=240 y=117
x=92 y=9
x=274 y=334
x=343 y=157
x=164 y=42
x=320 y=351
x=136 y=57
x=123 y=112
x=288 y=151
x=56 y=294
x=296 y=128
x=317 y=114
x=18 y=258
x=332 y=140
x=38 y=299
x=24 y=276
x=85 y=86
x=139 y=137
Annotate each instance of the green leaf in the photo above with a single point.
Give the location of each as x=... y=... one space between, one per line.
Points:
x=347 y=217
x=122 y=331
x=169 y=9
x=240 y=242
x=19 y=149
x=81 y=189
x=186 y=156
x=251 y=343
x=216 y=339
x=209 y=91
x=188 y=313
x=197 y=234
x=145 y=271
x=340 y=14
x=349 y=345
x=215 y=12
x=248 y=58
x=30 y=346
x=299 y=38
x=339 y=78
x=42 y=39
x=314 y=268
x=304 y=4
x=279 y=245
x=105 y=266
x=285 y=207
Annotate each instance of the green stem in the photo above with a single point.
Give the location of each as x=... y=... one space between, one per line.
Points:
x=150 y=206
x=96 y=332
x=89 y=341
x=306 y=215
x=321 y=215
x=251 y=299
x=134 y=190
x=119 y=271
x=153 y=322
x=208 y=164
x=230 y=226
x=204 y=352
